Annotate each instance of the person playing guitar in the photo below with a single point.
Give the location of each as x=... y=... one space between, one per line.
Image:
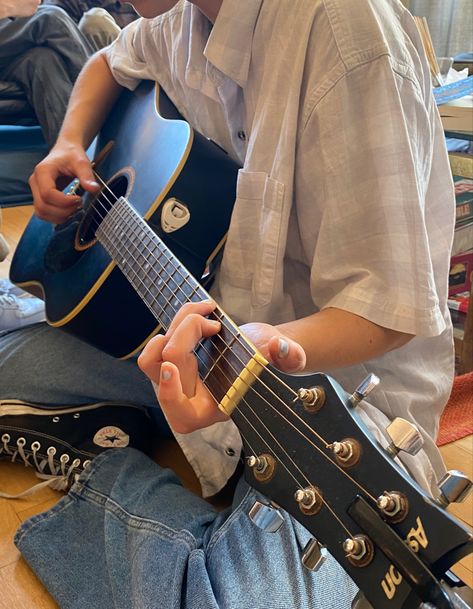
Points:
x=335 y=263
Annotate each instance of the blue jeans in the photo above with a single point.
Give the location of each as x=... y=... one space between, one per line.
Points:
x=128 y=536
x=44 y=365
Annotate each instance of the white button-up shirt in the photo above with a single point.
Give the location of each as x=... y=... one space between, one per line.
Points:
x=344 y=198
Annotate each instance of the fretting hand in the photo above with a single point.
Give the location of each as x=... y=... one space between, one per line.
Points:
x=169 y=362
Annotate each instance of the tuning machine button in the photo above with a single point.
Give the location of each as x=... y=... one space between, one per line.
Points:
x=347 y=452
x=393 y=506
x=364 y=388
x=404 y=436
x=359 y=550
x=263 y=466
x=454 y=487
x=313 y=555
x=309 y=499
x=313 y=398
x=266 y=517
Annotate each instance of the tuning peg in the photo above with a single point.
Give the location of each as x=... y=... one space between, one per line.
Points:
x=404 y=436
x=313 y=555
x=364 y=388
x=266 y=517
x=454 y=487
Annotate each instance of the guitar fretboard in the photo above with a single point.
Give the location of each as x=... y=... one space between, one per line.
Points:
x=165 y=285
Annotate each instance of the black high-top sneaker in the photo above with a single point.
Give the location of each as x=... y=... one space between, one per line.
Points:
x=60 y=442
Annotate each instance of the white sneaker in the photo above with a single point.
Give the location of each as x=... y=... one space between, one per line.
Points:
x=7 y=287
x=16 y=312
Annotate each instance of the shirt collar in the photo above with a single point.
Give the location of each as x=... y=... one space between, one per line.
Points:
x=230 y=41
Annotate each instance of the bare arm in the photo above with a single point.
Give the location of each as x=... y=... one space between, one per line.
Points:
x=94 y=93
x=334 y=338
x=92 y=98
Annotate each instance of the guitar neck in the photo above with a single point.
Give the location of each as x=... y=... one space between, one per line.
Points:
x=165 y=285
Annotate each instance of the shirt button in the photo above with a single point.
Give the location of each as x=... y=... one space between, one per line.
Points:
x=242 y=135
x=230 y=452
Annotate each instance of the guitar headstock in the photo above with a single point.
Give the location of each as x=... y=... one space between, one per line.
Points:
x=308 y=451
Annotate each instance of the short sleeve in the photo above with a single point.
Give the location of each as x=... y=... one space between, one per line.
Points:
x=372 y=223
x=126 y=55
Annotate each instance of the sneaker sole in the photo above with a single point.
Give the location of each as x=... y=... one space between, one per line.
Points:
x=17 y=407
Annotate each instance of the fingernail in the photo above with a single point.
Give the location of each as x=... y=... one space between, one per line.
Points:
x=165 y=375
x=283 y=347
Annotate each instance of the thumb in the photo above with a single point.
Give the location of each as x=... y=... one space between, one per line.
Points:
x=286 y=354
x=86 y=177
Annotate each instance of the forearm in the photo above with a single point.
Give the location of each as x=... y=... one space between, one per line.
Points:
x=334 y=338
x=93 y=95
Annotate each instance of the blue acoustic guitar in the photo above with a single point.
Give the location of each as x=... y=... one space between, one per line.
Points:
x=305 y=447
x=180 y=182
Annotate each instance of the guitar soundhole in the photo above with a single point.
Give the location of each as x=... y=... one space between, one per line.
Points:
x=97 y=207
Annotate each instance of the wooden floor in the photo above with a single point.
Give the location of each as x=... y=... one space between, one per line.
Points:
x=19 y=587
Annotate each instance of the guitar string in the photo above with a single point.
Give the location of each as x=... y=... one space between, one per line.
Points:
x=256 y=377
x=349 y=533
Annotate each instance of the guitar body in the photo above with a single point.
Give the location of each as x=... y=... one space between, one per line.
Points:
x=155 y=157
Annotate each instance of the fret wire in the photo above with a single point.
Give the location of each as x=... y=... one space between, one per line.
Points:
x=158 y=297
x=134 y=282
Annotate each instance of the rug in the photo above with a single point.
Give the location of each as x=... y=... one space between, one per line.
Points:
x=457 y=419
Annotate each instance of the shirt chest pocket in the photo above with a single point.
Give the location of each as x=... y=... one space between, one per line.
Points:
x=255 y=247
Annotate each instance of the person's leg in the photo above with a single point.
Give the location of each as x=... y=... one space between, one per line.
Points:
x=136 y=539
x=42 y=75
x=50 y=27
x=99 y=27
x=44 y=365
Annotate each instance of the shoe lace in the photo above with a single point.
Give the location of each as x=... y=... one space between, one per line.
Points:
x=8 y=300
x=62 y=475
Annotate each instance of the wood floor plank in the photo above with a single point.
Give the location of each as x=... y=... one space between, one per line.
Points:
x=464 y=572
x=21 y=589
x=9 y=522
x=15 y=478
